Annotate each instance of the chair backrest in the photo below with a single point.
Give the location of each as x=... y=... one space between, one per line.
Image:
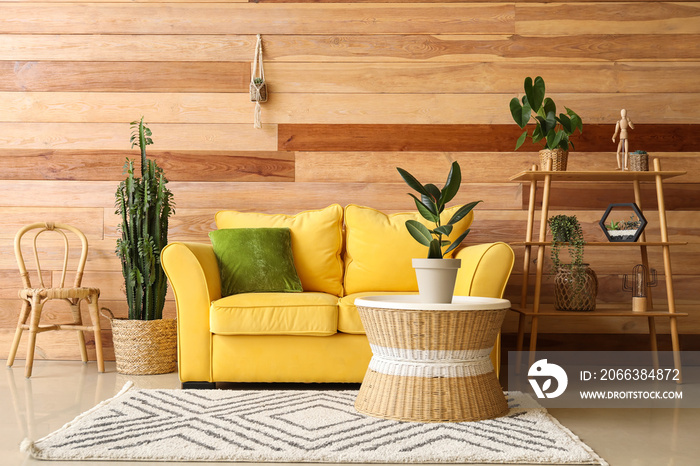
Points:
x=59 y=228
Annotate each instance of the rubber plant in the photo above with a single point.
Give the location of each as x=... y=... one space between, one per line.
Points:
x=430 y=205
x=552 y=129
x=144 y=205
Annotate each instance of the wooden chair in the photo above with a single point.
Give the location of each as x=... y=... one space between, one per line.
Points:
x=33 y=299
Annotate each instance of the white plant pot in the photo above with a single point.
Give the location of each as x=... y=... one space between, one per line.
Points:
x=436 y=279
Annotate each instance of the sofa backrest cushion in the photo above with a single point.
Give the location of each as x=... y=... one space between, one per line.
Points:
x=379 y=249
x=317 y=242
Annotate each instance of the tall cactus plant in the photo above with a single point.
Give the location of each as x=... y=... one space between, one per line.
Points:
x=144 y=205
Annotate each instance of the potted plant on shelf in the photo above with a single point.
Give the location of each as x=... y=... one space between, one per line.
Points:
x=145 y=343
x=639 y=161
x=624 y=230
x=575 y=283
x=436 y=275
x=553 y=130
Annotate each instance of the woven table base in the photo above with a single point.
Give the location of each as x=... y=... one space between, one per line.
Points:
x=439 y=399
x=431 y=365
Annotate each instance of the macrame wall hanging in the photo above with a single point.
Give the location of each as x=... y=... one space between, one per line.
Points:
x=258 y=86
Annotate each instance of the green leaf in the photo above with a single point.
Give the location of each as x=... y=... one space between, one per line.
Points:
x=521 y=140
x=428 y=201
x=425 y=210
x=454 y=180
x=520 y=113
x=575 y=119
x=434 y=191
x=549 y=106
x=412 y=182
x=554 y=139
x=565 y=123
x=462 y=212
x=444 y=229
x=537 y=134
x=419 y=232
x=458 y=241
x=435 y=251
x=534 y=92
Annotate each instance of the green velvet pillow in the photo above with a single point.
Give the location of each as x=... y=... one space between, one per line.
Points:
x=255 y=260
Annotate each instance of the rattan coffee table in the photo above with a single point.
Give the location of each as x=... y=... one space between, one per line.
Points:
x=431 y=362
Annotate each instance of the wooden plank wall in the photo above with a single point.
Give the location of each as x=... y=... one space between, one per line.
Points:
x=356 y=89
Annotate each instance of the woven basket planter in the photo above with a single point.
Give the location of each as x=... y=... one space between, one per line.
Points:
x=575 y=290
x=145 y=347
x=639 y=162
x=559 y=158
x=258 y=92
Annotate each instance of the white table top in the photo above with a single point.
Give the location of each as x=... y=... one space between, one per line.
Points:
x=413 y=303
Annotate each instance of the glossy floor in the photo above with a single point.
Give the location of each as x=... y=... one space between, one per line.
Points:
x=60 y=390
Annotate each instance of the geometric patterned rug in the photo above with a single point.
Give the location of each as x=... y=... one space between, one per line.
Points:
x=299 y=426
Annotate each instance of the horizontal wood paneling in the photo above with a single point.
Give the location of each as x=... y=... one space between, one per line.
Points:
x=679 y=196
x=45 y=76
x=87 y=219
x=236 y=108
x=597 y=48
x=490 y=77
x=356 y=89
x=473 y=138
x=115 y=136
x=594 y=18
x=482 y=167
x=107 y=165
x=221 y=18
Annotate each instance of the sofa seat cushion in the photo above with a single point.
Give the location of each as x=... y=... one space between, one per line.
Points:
x=348 y=317
x=379 y=249
x=275 y=314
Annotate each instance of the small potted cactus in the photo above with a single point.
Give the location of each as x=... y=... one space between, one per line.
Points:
x=639 y=161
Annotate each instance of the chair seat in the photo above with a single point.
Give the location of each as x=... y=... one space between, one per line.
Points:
x=59 y=293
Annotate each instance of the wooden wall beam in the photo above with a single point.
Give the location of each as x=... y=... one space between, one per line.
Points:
x=246 y=18
x=107 y=165
x=598 y=18
x=115 y=136
x=353 y=48
x=134 y=76
x=477 y=138
x=500 y=77
x=298 y=108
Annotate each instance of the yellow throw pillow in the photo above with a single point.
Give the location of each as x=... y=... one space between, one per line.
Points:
x=317 y=242
x=379 y=249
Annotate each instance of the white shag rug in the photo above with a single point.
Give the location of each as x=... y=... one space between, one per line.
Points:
x=299 y=426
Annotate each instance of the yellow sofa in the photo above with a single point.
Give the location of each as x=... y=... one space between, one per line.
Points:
x=313 y=336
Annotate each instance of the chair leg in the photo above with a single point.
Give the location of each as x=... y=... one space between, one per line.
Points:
x=23 y=314
x=33 y=327
x=94 y=309
x=78 y=320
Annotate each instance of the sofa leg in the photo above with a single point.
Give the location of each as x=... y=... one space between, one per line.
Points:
x=198 y=385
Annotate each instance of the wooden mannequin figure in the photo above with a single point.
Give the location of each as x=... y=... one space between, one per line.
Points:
x=622 y=125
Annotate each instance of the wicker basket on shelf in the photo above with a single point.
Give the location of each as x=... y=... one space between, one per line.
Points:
x=559 y=158
x=639 y=161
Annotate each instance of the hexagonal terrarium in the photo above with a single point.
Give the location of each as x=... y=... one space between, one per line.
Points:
x=623 y=222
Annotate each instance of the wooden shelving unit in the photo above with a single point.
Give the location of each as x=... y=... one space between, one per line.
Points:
x=536 y=310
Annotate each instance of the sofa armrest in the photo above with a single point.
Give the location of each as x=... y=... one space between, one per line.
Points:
x=194 y=276
x=485 y=270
